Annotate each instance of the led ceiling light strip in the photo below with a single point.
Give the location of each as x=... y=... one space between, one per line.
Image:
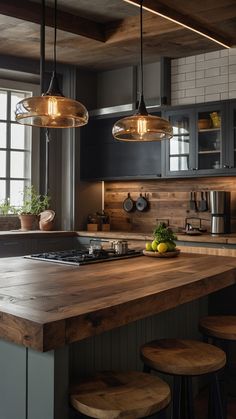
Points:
x=199 y=32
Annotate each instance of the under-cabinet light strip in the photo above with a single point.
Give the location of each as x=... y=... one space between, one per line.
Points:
x=178 y=23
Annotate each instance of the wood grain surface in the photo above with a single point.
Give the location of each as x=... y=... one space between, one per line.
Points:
x=46 y=305
x=120 y=395
x=222 y=327
x=183 y=356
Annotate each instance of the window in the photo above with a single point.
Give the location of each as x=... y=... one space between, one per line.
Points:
x=15 y=147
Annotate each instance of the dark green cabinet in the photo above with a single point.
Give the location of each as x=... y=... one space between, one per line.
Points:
x=104 y=158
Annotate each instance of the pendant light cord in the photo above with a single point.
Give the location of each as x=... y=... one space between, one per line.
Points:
x=55 y=37
x=141 y=46
x=141 y=107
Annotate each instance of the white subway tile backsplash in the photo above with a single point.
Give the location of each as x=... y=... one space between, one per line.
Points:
x=200 y=65
x=204 y=77
x=211 y=55
x=187 y=100
x=224 y=70
x=194 y=92
x=200 y=99
x=191 y=75
x=174 y=70
x=200 y=57
x=182 y=61
x=232 y=59
x=175 y=62
x=224 y=96
x=232 y=85
x=232 y=69
x=224 y=52
x=199 y=74
x=232 y=94
x=219 y=88
x=178 y=94
x=210 y=98
x=212 y=72
x=210 y=81
x=190 y=60
x=185 y=68
x=232 y=51
x=178 y=77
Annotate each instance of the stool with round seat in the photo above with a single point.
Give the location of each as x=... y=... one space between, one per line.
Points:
x=220 y=331
x=218 y=327
x=126 y=395
x=184 y=359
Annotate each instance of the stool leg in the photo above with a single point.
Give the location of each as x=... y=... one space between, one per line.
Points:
x=182 y=406
x=215 y=407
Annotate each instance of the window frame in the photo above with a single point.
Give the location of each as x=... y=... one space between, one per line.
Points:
x=10 y=85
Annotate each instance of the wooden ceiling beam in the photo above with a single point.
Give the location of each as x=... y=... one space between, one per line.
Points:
x=31 y=12
x=159 y=7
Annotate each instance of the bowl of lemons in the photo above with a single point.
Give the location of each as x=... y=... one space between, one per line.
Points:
x=163 y=245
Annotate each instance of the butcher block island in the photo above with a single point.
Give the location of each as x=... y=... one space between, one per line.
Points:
x=47 y=306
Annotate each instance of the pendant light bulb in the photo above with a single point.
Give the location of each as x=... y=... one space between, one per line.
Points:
x=51 y=109
x=142 y=126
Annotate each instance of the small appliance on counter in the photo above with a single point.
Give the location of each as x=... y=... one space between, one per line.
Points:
x=220 y=212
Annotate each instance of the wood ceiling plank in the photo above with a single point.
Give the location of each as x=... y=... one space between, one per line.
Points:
x=184 y=18
x=31 y=12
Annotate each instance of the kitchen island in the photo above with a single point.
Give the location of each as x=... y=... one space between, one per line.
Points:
x=45 y=307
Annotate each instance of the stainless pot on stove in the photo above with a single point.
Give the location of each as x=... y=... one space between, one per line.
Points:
x=120 y=246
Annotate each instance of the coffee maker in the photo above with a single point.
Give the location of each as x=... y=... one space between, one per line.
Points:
x=220 y=212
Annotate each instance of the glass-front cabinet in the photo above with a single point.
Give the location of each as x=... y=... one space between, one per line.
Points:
x=199 y=144
x=180 y=149
x=210 y=144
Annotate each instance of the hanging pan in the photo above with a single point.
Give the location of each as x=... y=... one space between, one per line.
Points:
x=142 y=203
x=128 y=204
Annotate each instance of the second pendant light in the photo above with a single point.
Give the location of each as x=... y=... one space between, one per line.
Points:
x=141 y=126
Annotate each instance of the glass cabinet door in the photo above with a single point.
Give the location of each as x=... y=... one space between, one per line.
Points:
x=209 y=139
x=179 y=148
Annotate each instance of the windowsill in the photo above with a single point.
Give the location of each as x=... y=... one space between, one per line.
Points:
x=36 y=233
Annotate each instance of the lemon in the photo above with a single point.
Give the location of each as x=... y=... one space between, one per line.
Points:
x=154 y=245
x=148 y=246
x=170 y=246
x=162 y=247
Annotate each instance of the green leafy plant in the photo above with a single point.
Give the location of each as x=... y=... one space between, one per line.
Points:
x=6 y=208
x=163 y=234
x=33 y=203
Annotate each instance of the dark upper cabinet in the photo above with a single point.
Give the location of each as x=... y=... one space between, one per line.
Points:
x=103 y=157
x=204 y=144
x=200 y=145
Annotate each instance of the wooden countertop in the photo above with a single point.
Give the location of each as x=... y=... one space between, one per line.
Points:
x=203 y=238
x=46 y=305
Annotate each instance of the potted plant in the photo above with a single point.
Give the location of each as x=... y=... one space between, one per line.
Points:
x=33 y=205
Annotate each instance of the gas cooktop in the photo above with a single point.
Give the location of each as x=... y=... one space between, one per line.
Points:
x=83 y=257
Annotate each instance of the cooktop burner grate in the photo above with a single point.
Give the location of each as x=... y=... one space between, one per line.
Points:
x=83 y=257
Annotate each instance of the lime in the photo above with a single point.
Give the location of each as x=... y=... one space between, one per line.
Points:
x=170 y=246
x=154 y=245
x=148 y=246
x=162 y=247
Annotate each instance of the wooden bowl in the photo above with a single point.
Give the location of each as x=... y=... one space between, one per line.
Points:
x=173 y=254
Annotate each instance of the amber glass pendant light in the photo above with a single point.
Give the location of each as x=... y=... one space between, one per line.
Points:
x=141 y=126
x=52 y=109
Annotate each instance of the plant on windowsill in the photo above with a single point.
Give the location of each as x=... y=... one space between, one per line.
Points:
x=33 y=205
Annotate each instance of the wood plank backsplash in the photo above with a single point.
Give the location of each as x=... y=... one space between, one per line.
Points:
x=168 y=199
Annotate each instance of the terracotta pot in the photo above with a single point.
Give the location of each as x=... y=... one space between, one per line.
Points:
x=46 y=225
x=28 y=221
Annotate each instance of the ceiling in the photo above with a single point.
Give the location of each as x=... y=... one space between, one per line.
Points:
x=104 y=34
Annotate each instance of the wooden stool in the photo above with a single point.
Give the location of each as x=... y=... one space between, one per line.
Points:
x=184 y=359
x=126 y=395
x=221 y=331
x=219 y=327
